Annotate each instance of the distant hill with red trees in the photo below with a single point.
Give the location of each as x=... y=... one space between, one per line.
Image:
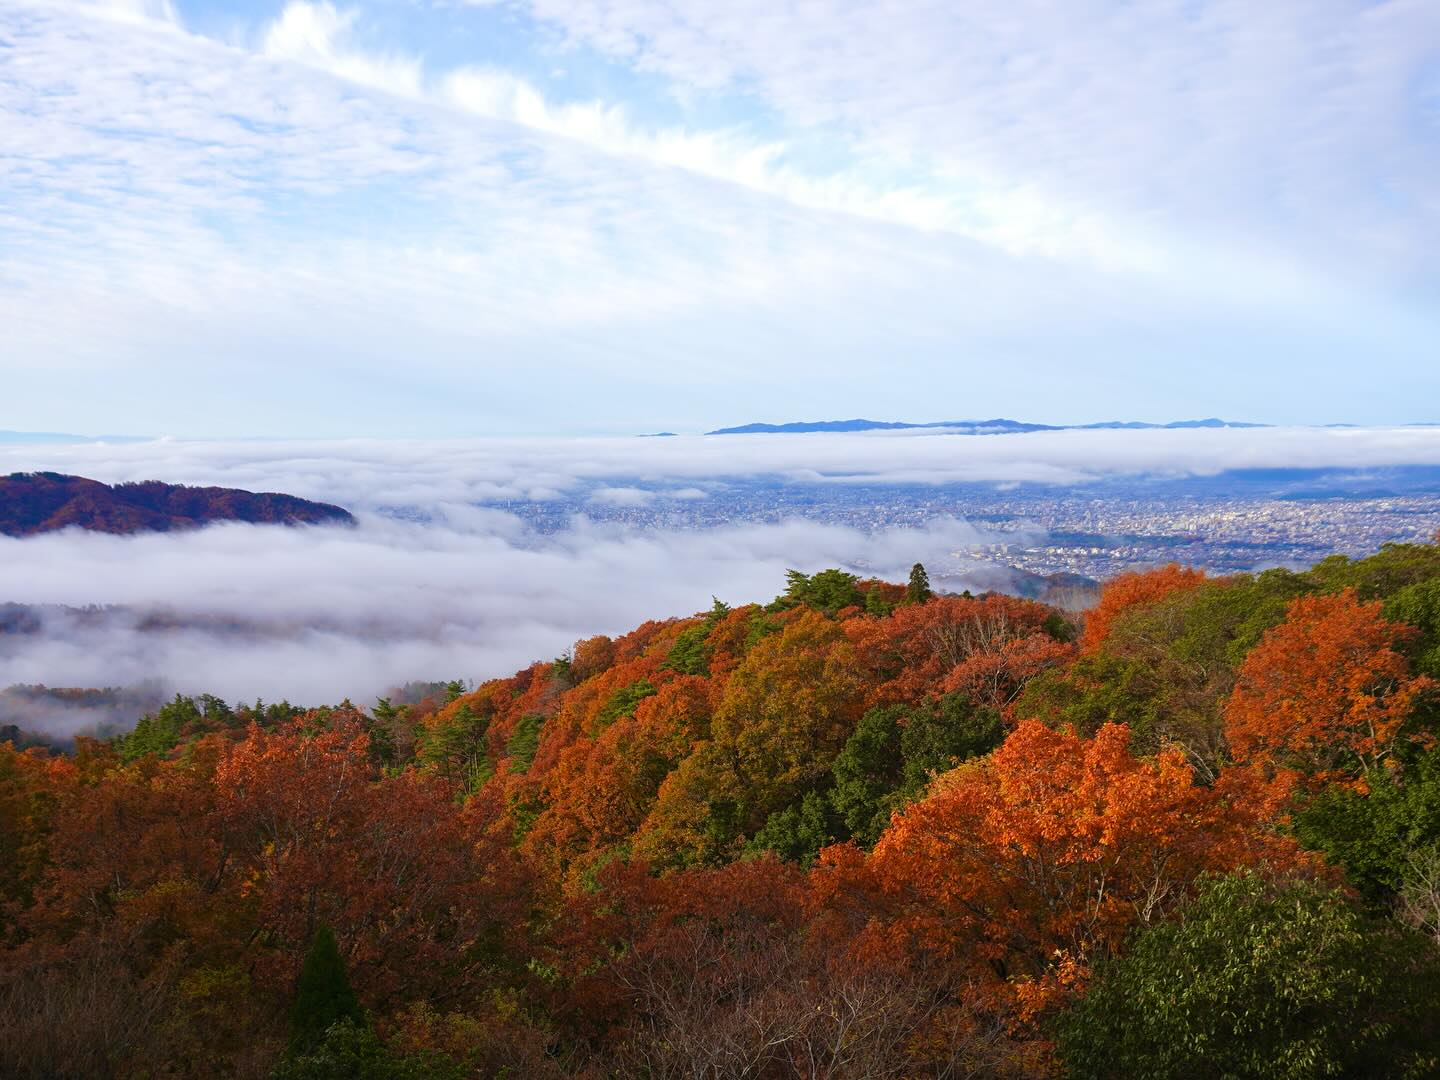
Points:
x=42 y=502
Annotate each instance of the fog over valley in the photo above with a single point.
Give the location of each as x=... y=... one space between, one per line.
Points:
x=322 y=613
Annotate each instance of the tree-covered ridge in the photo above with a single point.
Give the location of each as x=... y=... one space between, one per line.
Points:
x=41 y=502
x=863 y=830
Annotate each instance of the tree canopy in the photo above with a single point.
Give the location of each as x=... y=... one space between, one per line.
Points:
x=848 y=833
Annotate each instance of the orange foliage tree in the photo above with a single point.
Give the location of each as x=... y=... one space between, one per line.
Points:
x=592 y=656
x=1041 y=858
x=1327 y=692
x=601 y=789
x=1126 y=591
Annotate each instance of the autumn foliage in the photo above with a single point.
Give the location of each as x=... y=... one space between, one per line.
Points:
x=1035 y=862
x=1127 y=591
x=1327 y=692
x=851 y=833
x=990 y=644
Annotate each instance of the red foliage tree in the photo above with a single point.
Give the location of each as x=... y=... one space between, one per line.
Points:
x=996 y=674
x=33 y=786
x=389 y=865
x=739 y=971
x=908 y=656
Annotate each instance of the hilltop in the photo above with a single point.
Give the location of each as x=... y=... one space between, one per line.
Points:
x=42 y=502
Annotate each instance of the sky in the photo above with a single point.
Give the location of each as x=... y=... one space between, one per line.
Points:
x=577 y=217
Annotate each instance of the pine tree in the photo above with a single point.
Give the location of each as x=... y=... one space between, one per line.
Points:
x=323 y=996
x=918 y=591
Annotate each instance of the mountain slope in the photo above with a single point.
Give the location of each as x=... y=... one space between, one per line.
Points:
x=34 y=503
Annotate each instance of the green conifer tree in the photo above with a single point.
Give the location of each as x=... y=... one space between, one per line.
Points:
x=323 y=996
x=918 y=591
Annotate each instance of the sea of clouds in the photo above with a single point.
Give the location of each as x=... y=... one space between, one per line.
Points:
x=443 y=475
x=433 y=584
x=317 y=614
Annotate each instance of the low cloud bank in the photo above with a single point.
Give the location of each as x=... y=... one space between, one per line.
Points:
x=318 y=614
x=65 y=712
x=437 y=475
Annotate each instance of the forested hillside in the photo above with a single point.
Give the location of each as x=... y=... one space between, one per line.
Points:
x=41 y=502
x=859 y=831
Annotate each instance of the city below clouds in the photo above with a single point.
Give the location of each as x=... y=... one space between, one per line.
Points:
x=527 y=217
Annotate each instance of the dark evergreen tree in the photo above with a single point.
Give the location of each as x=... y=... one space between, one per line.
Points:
x=160 y=732
x=918 y=590
x=691 y=653
x=869 y=772
x=323 y=996
x=797 y=832
x=827 y=591
x=941 y=734
x=623 y=702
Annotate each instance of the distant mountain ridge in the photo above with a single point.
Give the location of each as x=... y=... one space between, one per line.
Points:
x=42 y=502
x=969 y=427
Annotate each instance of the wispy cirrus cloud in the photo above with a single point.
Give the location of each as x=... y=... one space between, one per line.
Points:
x=315 y=33
x=1307 y=128
x=337 y=220
x=320 y=35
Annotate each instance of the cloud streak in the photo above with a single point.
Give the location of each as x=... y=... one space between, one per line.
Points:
x=1085 y=116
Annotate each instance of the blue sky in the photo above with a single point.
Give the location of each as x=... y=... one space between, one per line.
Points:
x=604 y=216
